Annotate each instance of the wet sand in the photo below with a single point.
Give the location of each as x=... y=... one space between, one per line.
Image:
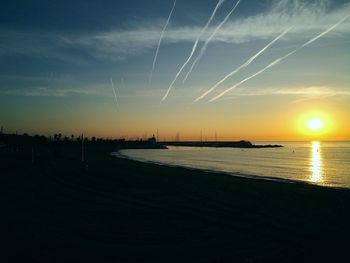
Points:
x=120 y=210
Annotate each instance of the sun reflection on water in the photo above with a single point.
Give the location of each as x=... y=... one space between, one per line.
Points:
x=316 y=162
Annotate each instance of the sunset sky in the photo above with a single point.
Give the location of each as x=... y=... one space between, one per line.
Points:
x=57 y=60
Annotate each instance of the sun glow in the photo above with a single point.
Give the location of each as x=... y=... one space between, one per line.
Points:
x=315 y=124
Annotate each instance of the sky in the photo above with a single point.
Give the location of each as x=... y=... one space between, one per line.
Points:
x=90 y=67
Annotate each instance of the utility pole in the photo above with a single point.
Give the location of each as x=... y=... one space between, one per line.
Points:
x=177 y=137
x=82 y=148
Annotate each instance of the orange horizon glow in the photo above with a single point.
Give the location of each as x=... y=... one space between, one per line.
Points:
x=206 y=135
x=261 y=123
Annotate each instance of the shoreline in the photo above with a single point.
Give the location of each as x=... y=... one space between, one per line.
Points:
x=117 y=154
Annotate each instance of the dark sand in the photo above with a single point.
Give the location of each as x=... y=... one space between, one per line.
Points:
x=124 y=211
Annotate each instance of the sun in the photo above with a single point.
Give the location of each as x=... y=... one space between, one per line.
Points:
x=315 y=124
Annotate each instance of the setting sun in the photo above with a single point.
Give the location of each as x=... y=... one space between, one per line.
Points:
x=315 y=124
x=318 y=124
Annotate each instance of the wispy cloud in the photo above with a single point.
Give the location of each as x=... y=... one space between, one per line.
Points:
x=300 y=93
x=119 y=44
x=71 y=88
x=312 y=91
x=48 y=92
x=39 y=45
x=306 y=18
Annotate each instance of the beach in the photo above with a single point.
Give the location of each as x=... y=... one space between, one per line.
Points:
x=119 y=210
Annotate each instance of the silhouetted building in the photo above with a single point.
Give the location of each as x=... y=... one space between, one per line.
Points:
x=152 y=140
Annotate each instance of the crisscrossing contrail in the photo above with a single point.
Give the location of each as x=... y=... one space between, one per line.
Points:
x=193 y=49
x=204 y=47
x=274 y=63
x=245 y=64
x=115 y=94
x=160 y=41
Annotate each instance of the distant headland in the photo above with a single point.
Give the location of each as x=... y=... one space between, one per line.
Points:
x=221 y=144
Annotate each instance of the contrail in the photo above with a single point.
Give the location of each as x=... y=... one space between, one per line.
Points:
x=179 y=72
x=160 y=41
x=123 y=83
x=193 y=48
x=245 y=64
x=281 y=58
x=204 y=47
x=115 y=94
x=254 y=75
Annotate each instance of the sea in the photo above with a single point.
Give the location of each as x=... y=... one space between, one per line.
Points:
x=320 y=163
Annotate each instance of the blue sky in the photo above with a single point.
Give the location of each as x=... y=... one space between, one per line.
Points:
x=57 y=58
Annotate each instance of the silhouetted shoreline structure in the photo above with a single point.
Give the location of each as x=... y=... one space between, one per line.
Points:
x=218 y=144
x=28 y=144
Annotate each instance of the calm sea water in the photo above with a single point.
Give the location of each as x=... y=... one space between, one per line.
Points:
x=321 y=163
